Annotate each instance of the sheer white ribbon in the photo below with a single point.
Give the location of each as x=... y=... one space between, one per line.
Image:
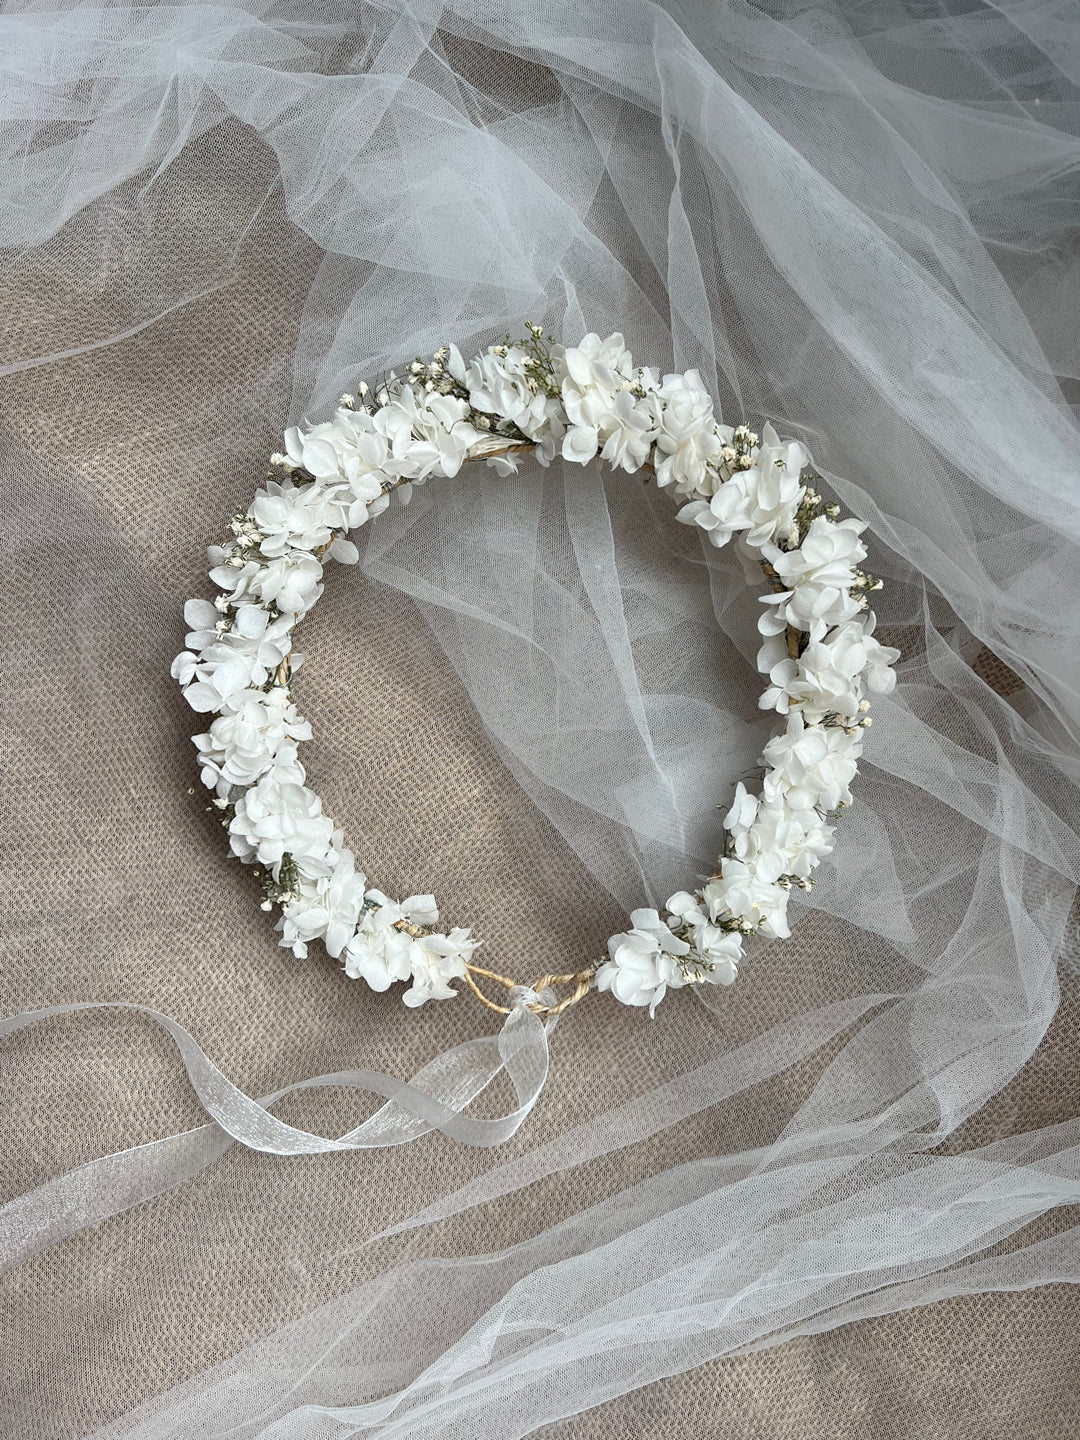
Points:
x=433 y=1099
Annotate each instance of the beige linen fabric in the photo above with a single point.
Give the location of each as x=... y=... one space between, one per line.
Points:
x=117 y=887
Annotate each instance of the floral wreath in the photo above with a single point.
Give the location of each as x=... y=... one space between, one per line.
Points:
x=818 y=652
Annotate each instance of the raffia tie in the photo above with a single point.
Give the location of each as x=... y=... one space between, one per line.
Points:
x=582 y=982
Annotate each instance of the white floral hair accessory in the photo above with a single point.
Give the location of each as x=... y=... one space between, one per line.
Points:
x=818 y=652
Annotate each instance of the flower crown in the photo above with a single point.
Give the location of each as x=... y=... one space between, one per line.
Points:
x=818 y=652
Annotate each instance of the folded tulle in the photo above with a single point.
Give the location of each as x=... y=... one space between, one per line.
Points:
x=717 y=1258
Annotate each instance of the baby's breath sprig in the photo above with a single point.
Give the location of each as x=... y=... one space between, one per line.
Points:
x=539 y=366
x=435 y=376
x=279 y=889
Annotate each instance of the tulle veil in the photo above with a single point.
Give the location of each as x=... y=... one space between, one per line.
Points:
x=855 y=220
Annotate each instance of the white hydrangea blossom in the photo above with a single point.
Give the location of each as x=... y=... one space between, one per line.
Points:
x=326 y=909
x=740 y=892
x=627 y=433
x=716 y=952
x=818 y=649
x=827 y=678
x=435 y=960
x=644 y=963
x=812 y=765
x=774 y=836
x=273 y=819
x=604 y=415
x=350 y=448
x=291 y=582
x=426 y=433
x=247 y=735
x=688 y=439
x=819 y=575
x=381 y=953
x=499 y=383
x=294 y=517
x=234 y=661
x=303 y=919
x=759 y=502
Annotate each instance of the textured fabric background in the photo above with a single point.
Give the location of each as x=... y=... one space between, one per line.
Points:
x=116 y=887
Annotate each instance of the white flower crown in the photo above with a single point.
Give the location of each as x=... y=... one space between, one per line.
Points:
x=818 y=650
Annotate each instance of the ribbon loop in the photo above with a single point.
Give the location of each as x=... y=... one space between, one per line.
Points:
x=525 y=996
x=434 y=1099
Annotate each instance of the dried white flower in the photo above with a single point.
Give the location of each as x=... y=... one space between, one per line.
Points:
x=643 y=963
x=435 y=960
x=717 y=951
x=812 y=765
x=499 y=384
x=425 y=433
x=326 y=909
x=247 y=736
x=740 y=892
x=273 y=819
x=760 y=501
x=688 y=440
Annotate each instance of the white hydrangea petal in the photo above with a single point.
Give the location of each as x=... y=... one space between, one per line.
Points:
x=344 y=551
x=200 y=615
x=202 y=698
x=580 y=443
x=320 y=457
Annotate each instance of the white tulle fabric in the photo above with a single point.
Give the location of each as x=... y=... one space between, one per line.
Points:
x=856 y=226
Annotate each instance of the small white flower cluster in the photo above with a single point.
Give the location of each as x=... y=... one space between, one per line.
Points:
x=818 y=648
x=239 y=666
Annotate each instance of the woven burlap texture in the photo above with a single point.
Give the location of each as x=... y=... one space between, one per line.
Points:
x=123 y=461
